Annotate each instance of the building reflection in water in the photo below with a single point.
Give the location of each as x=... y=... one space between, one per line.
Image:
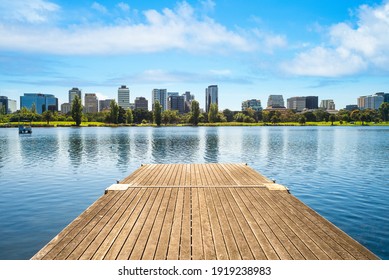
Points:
x=211 y=153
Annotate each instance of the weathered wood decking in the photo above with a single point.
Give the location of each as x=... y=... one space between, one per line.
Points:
x=200 y=212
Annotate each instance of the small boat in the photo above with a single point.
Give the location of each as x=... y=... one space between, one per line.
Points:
x=25 y=128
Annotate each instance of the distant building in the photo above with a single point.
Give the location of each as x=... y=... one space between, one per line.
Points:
x=311 y=102
x=7 y=106
x=91 y=103
x=188 y=101
x=66 y=108
x=351 y=107
x=211 y=96
x=11 y=106
x=275 y=101
x=327 y=104
x=105 y=104
x=384 y=95
x=42 y=102
x=124 y=97
x=72 y=94
x=3 y=105
x=160 y=95
x=371 y=101
x=141 y=103
x=296 y=103
x=301 y=103
x=254 y=104
x=176 y=103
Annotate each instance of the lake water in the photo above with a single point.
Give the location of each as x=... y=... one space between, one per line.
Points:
x=48 y=178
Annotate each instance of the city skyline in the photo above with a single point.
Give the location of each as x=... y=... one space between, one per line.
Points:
x=333 y=50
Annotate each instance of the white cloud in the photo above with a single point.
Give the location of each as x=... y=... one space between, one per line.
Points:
x=123 y=6
x=180 y=28
x=100 y=8
x=208 y=5
x=350 y=50
x=32 y=11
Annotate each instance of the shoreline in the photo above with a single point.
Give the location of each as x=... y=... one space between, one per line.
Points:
x=96 y=124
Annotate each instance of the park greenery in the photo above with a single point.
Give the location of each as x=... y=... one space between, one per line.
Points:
x=117 y=115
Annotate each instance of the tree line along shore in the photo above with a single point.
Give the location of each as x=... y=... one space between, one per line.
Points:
x=117 y=116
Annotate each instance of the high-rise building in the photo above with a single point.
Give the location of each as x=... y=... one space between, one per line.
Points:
x=66 y=108
x=105 y=104
x=351 y=107
x=254 y=104
x=176 y=103
x=371 y=101
x=296 y=103
x=188 y=101
x=42 y=102
x=11 y=106
x=3 y=105
x=160 y=95
x=91 y=103
x=72 y=94
x=211 y=96
x=327 y=104
x=141 y=103
x=311 y=102
x=275 y=101
x=124 y=97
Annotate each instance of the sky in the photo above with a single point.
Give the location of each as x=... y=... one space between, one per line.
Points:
x=332 y=49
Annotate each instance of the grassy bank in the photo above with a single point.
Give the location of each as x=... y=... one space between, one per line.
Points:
x=101 y=124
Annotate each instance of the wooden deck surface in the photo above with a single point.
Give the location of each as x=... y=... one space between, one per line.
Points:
x=200 y=212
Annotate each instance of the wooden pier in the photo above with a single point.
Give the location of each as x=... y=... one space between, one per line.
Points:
x=200 y=212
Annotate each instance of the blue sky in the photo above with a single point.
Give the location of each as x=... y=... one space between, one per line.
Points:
x=333 y=49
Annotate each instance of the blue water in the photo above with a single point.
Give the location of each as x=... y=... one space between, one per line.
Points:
x=48 y=178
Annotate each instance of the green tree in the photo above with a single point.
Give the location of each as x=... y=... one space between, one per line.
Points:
x=130 y=116
x=33 y=108
x=213 y=112
x=239 y=117
x=355 y=115
x=114 y=113
x=77 y=110
x=2 y=109
x=47 y=116
x=302 y=120
x=157 y=113
x=384 y=111
x=229 y=115
x=332 y=119
x=195 y=110
x=122 y=116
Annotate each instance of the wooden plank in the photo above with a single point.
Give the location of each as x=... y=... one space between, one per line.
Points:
x=277 y=228
x=267 y=241
x=129 y=228
x=88 y=240
x=343 y=244
x=146 y=227
x=186 y=227
x=69 y=242
x=307 y=235
x=206 y=230
x=109 y=234
x=86 y=216
x=217 y=235
x=175 y=238
x=200 y=211
x=296 y=236
x=197 y=236
x=247 y=242
x=231 y=246
x=164 y=239
x=266 y=225
x=155 y=235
